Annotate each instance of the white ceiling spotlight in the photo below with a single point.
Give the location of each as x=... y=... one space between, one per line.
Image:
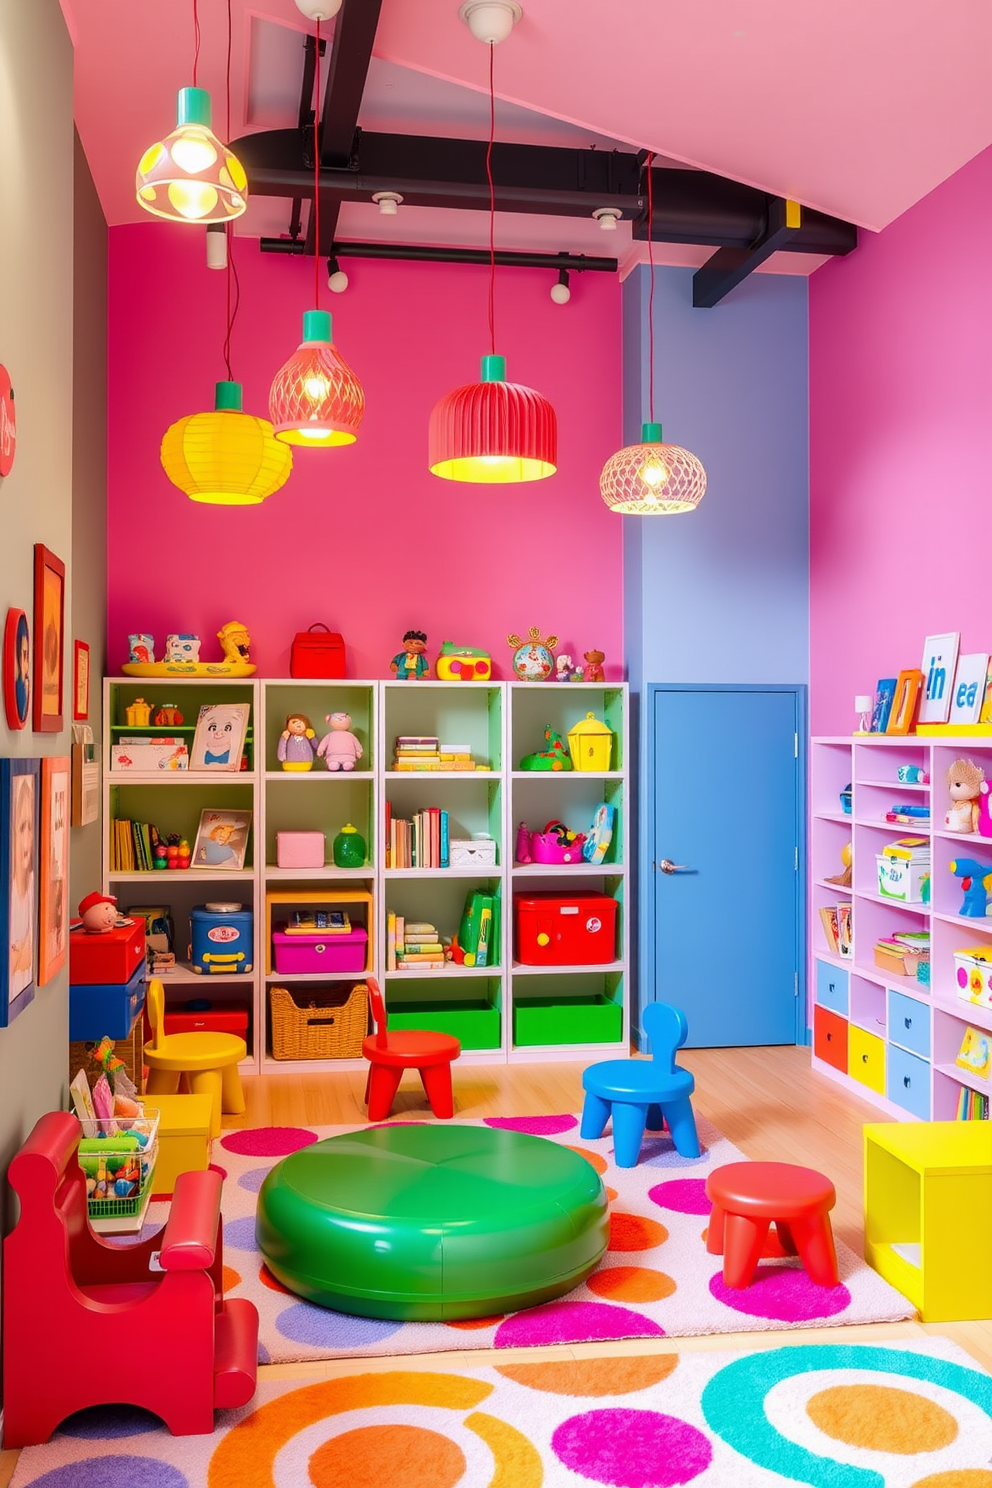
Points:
x=387 y=202
x=490 y=21
x=318 y=10
x=337 y=279
x=608 y=217
x=216 y=245
x=560 y=292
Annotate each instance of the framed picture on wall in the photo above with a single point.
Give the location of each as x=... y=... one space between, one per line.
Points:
x=81 y=681
x=49 y=639
x=940 y=659
x=19 y=806
x=53 y=895
x=16 y=669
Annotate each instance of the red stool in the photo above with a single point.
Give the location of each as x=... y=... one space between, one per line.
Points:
x=747 y=1197
x=389 y=1054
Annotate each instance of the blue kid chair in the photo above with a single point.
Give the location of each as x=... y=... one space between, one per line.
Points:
x=643 y=1093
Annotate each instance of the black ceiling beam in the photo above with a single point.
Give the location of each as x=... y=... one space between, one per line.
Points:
x=728 y=267
x=691 y=207
x=423 y=253
x=351 y=54
x=305 y=116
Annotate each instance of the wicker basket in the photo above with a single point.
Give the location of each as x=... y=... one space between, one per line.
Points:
x=331 y=1025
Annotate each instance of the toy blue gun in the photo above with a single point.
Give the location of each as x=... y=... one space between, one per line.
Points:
x=976 y=881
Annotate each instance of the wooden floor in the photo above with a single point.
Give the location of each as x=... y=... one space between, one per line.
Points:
x=767 y=1101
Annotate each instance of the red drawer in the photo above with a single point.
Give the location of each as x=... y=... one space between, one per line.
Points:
x=228 y=1017
x=830 y=1038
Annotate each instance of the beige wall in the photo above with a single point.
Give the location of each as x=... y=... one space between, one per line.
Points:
x=37 y=497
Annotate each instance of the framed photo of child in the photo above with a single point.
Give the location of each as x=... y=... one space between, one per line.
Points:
x=17 y=669
x=19 y=809
x=219 y=740
x=221 y=840
x=49 y=640
x=53 y=895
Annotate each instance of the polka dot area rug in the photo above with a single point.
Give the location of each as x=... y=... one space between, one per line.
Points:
x=828 y=1415
x=656 y=1278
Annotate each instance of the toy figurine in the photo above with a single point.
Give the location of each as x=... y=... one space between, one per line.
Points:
x=234 y=641
x=141 y=648
x=339 y=748
x=594 y=671
x=578 y=675
x=964 y=781
x=296 y=749
x=169 y=715
x=976 y=881
x=98 y=913
x=563 y=667
x=138 y=713
x=555 y=757
x=182 y=647
x=532 y=659
x=411 y=661
x=463 y=663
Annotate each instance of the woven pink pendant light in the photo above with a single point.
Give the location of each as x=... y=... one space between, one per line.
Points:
x=652 y=479
x=492 y=432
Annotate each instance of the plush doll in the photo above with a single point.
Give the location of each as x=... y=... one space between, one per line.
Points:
x=594 y=671
x=339 y=748
x=296 y=749
x=964 y=782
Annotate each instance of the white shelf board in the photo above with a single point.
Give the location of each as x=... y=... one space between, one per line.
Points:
x=438 y=973
x=321 y=774
x=965 y=1077
x=521 y=969
x=915 y=907
x=968 y=1012
x=482 y=870
x=905 y=829
x=578 y=870
x=185 y=976
x=567 y=775
x=982 y=923
x=895 y=785
x=312 y=976
x=168 y=875
x=181 y=777
x=891 y=979
x=962 y=837
x=317 y=875
x=834 y=816
x=835 y=888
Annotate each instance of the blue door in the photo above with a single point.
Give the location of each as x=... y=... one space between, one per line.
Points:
x=727 y=861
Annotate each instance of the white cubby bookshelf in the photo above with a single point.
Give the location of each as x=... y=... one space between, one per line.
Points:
x=892 y=1039
x=501 y=722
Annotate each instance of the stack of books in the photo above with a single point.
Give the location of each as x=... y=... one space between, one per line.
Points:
x=132 y=846
x=837 y=927
x=972 y=1105
x=420 y=843
x=428 y=752
x=412 y=944
x=903 y=952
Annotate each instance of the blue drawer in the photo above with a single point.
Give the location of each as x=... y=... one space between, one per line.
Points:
x=107 y=1008
x=908 y=1082
x=909 y=1023
x=831 y=987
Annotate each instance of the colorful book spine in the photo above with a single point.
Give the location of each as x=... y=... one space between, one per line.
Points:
x=443 y=848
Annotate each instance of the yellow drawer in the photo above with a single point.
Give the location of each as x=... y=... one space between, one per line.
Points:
x=866 y=1058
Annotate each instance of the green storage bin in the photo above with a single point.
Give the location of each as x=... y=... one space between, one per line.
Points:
x=567 y=1020
x=474 y=1024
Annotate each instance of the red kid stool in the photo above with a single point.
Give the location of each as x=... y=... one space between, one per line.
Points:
x=747 y=1197
x=389 y=1054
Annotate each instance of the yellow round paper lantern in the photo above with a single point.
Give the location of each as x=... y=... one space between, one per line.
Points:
x=226 y=457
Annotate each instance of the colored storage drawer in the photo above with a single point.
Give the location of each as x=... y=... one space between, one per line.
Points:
x=320 y=954
x=832 y=987
x=908 y=1082
x=474 y=1024
x=222 y=1017
x=830 y=1038
x=909 y=1023
x=183 y=1138
x=567 y=1020
x=866 y=1059
x=108 y=959
x=106 y=1009
x=565 y=929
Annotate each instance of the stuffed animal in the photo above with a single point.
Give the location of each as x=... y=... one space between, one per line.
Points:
x=964 y=783
x=594 y=671
x=339 y=748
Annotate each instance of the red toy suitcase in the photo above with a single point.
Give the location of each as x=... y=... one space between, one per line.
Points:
x=565 y=929
x=112 y=957
x=317 y=652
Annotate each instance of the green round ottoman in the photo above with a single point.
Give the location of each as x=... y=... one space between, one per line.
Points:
x=432 y=1222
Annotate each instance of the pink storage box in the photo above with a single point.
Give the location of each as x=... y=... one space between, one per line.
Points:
x=299 y=849
x=319 y=954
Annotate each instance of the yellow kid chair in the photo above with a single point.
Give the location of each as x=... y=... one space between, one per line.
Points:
x=209 y=1062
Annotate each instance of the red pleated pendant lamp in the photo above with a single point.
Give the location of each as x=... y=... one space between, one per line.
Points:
x=492 y=432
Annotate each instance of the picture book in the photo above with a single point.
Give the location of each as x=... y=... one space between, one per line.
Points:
x=221 y=839
x=975 y=1053
x=885 y=691
x=219 y=740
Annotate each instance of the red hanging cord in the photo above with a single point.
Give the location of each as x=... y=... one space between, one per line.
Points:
x=650 y=294
x=492 y=205
x=196 y=41
x=229 y=228
x=316 y=181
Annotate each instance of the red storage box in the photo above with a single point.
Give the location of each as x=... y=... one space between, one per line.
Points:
x=565 y=929
x=113 y=956
x=316 y=955
x=317 y=652
x=225 y=1017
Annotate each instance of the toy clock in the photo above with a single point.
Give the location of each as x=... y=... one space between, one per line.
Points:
x=532 y=659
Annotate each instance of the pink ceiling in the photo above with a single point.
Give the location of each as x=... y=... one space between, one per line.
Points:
x=854 y=107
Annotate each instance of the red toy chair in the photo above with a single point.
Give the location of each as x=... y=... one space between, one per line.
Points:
x=389 y=1054
x=87 y=1323
x=747 y=1197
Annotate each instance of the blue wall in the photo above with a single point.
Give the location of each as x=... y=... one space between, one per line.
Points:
x=720 y=594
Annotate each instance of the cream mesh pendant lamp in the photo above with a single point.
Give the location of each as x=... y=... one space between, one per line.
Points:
x=652 y=479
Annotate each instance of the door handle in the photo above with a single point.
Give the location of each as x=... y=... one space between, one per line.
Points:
x=667 y=866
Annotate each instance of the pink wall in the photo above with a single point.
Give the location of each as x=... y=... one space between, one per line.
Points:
x=364 y=538
x=900 y=470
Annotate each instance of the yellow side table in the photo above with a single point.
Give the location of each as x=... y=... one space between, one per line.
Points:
x=183 y=1138
x=928 y=1214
